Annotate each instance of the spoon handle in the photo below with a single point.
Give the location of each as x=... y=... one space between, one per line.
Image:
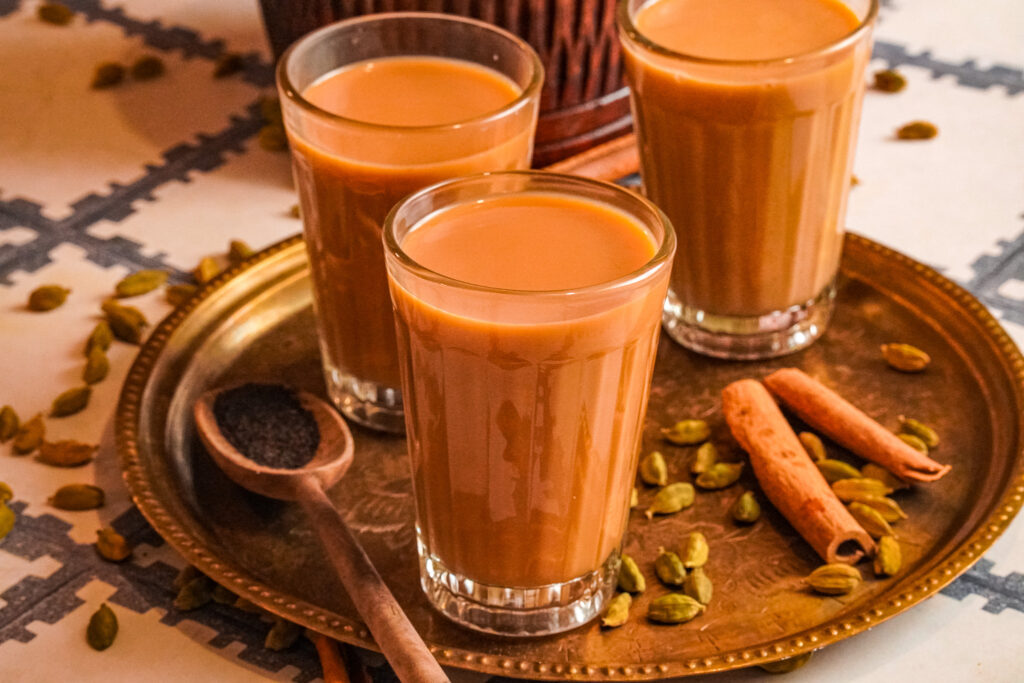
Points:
x=405 y=650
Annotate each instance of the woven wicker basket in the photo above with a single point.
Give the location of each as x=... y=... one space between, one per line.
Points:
x=584 y=101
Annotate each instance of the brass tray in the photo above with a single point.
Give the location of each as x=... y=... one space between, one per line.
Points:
x=255 y=323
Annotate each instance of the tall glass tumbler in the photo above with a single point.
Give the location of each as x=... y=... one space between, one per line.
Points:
x=749 y=151
x=528 y=310
x=375 y=108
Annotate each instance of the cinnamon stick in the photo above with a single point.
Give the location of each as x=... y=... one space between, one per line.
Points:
x=841 y=421
x=332 y=664
x=788 y=477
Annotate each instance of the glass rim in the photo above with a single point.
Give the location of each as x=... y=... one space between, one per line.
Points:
x=661 y=256
x=624 y=19
x=291 y=93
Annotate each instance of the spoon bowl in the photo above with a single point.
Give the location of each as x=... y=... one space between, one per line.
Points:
x=329 y=464
x=306 y=485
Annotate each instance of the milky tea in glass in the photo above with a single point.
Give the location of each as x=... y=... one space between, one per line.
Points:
x=375 y=108
x=746 y=113
x=528 y=307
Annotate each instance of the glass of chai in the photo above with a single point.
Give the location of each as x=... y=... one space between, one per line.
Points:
x=527 y=306
x=746 y=113
x=375 y=108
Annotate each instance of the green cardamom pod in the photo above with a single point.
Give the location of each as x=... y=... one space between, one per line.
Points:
x=849 y=490
x=47 y=297
x=784 y=666
x=194 y=594
x=238 y=251
x=698 y=586
x=66 y=453
x=228 y=64
x=270 y=109
x=140 y=282
x=706 y=457
x=834 y=470
x=630 y=578
x=674 y=608
x=871 y=519
x=653 y=470
x=282 y=635
x=834 y=579
x=926 y=434
x=695 y=552
x=126 y=322
x=888 y=557
x=873 y=471
x=9 y=423
x=687 y=432
x=6 y=493
x=187 y=574
x=222 y=596
x=96 y=366
x=147 y=67
x=176 y=295
x=746 y=509
x=100 y=338
x=102 y=628
x=634 y=498
x=107 y=75
x=111 y=545
x=7 y=519
x=618 y=610
x=887 y=507
x=669 y=568
x=889 y=81
x=205 y=270
x=30 y=436
x=671 y=499
x=273 y=138
x=815 y=448
x=905 y=358
x=70 y=402
x=56 y=13
x=77 y=497
x=719 y=476
x=914 y=442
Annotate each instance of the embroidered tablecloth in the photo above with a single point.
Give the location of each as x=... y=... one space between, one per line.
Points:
x=97 y=183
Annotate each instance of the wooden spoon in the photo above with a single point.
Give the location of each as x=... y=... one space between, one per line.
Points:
x=398 y=640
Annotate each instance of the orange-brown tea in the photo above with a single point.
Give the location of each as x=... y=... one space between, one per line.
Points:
x=526 y=370
x=371 y=131
x=344 y=199
x=747 y=152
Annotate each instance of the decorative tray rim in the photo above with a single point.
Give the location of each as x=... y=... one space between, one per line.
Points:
x=225 y=571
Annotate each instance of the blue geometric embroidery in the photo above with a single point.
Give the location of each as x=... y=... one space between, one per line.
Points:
x=179 y=162
x=1002 y=592
x=991 y=272
x=138 y=588
x=116 y=250
x=176 y=38
x=967 y=74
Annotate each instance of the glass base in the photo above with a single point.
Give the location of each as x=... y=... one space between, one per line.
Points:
x=748 y=337
x=505 y=611
x=370 y=404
